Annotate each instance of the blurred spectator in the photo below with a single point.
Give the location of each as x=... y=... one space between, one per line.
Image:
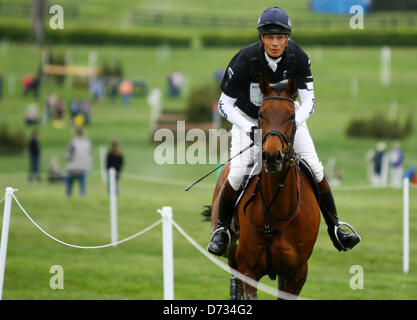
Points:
x=50 y=102
x=114 y=160
x=58 y=109
x=78 y=161
x=97 y=89
x=175 y=84
x=55 y=174
x=218 y=76
x=36 y=83
x=30 y=83
x=26 y=83
x=410 y=173
x=113 y=85
x=34 y=156
x=378 y=160
x=85 y=111
x=126 y=90
x=75 y=107
x=32 y=115
x=396 y=157
x=79 y=120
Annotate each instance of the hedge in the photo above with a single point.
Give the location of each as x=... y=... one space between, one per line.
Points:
x=78 y=35
x=96 y=36
x=380 y=127
x=321 y=37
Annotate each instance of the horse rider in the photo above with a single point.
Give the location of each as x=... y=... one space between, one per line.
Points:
x=276 y=56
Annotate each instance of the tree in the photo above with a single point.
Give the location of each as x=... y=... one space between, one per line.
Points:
x=38 y=12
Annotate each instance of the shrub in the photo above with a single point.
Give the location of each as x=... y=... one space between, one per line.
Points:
x=11 y=142
x=200 y=102
x=378 y=126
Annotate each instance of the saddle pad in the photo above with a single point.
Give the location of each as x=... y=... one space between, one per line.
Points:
x=303 y=165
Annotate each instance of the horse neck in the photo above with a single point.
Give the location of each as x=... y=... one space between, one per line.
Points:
x=286 y=200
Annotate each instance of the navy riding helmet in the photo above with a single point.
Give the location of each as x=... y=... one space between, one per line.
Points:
x=274 y=20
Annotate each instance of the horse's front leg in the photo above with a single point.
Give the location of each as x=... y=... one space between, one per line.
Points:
x=248 y=292
x=294 y=282
x=235 y=293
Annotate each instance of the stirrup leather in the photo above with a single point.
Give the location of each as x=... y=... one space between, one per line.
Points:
x=227 y=232
x=350 y=227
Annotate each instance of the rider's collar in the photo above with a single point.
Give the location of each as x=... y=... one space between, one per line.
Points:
x=272 y=63
x=275 y=60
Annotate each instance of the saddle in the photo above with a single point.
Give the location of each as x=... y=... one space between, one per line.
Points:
x=304 y=166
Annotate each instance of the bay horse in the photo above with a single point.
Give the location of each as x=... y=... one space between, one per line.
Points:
x=278 y=214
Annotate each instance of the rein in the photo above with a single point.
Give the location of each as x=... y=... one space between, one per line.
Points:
x=293 y=161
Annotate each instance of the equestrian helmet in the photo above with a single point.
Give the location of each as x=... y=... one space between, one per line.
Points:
x=274 y=20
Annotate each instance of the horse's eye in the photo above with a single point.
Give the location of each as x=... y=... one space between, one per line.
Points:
x=260 y=115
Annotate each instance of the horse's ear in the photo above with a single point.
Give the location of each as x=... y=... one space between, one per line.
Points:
x=291 y=88
x=264 y=85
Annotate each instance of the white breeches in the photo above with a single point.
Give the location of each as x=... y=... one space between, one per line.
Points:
x=303 y=145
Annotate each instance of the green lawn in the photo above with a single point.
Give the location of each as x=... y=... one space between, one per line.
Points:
x=134 y=270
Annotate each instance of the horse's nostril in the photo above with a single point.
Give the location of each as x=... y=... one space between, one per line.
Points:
x=265 y=156
x=278 y=156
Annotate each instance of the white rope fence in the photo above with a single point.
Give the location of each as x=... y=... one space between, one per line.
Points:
x=85 y=247
x=267 y=289
x=167 y=223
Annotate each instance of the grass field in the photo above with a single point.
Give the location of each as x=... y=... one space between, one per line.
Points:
x=134 y=270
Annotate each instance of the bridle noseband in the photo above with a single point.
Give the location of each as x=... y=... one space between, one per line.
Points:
x=279 y=134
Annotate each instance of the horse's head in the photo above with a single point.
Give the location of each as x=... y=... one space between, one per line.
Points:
x=277 y=120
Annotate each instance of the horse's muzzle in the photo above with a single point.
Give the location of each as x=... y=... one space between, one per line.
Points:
x=272 y=163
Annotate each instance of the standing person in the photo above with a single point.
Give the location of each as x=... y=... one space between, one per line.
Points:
x=34 y=157
x=114 y=160
x=378 y=159
x=126 y=90
x=396 y=160
x=78 y=161
x=277 y=57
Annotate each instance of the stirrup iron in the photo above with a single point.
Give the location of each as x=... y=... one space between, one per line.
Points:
x=341 y=223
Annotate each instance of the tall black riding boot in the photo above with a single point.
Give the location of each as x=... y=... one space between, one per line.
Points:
x=341 y=239
x=221 y=237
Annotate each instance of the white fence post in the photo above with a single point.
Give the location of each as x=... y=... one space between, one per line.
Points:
x=406 y=228
x=113 y=206
x=5 y=235
x=168 y=257
x=385 y=66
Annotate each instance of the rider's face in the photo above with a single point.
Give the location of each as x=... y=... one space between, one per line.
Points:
x=274 y=44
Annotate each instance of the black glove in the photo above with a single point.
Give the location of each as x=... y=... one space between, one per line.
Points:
x=252 y=133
